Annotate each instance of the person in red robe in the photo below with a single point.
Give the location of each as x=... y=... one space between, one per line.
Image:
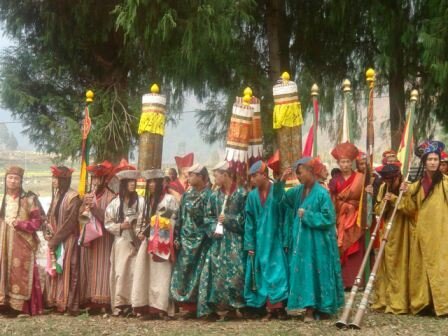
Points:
x=20 y=218
x=346 y=189
x=95 y=256
x=178 y=183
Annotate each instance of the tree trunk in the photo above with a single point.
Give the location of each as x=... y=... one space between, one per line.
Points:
x=278 y=36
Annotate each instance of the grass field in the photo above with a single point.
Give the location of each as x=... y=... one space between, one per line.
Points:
x=374 y=324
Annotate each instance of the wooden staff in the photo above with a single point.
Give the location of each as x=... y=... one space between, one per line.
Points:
x=343 y=321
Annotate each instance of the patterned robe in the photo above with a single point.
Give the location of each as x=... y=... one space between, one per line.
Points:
x=63 y=289
x=124 y=250
x=152 y=274
x=314 y=272
x=20 y=287
x=222 y=279
x=95 y=259
x=263 y=234
x=346 y=195
x=191 y=234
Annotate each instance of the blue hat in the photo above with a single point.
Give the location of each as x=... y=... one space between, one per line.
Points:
x=429 y=146
x=257 y=167
x=301 y=161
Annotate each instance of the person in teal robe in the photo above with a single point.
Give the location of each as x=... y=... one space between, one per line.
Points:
x=266 y=279
x=222 y=279
x=191 y=241
x=315 y=280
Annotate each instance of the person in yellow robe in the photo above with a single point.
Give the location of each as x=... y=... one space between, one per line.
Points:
x=391 y=293
x=427 y=200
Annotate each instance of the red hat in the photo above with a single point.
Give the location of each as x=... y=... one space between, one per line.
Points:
x=274 y=162
x=361 y=156
x=101 y=169
x=444 y=157
x=61 y=171
x=185 y=161
x=123 y=165
x=389 y=152
x=345 y=150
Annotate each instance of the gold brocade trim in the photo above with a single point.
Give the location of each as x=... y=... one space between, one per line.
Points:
x=152 y=122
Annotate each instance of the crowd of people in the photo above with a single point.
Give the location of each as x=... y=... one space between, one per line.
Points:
x=237 y=248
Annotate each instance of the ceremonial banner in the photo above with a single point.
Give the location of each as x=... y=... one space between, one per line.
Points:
x=310 y=148
x=151 y=130
x=255 y=150
x=406 y=143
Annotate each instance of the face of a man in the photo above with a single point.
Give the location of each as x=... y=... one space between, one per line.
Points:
x=324 y=173
x=362 y=165
x=304 y=175
x=444 y=168
x=258 y=179
x=172 y=174
x=13 y=182
x=391 y=159
x=345 y=165
x=219 y=178
x=194 y=179
x=96 y=182
x=55 y=182
x=132 y=185
x=432 y=162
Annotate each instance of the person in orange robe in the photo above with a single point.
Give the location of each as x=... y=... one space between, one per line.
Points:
x=346 y=189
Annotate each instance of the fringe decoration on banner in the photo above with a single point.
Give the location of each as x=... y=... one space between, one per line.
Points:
x=238 y=136
x=255 y=150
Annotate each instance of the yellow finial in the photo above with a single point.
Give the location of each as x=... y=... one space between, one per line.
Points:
x=285 y=76
x=314 y=90
x=370 y=75
x=247 y=99
x=248 y=91
x=414 y=95
x=346 y=86
x=89 y=96
x=155 y=88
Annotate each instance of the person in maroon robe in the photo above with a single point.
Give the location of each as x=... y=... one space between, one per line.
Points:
x=178 y=183
x=20 y=218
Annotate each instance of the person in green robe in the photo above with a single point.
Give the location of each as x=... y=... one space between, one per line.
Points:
x=315 y=280
x=266 y=278
x=191 y=241
x=222 y=279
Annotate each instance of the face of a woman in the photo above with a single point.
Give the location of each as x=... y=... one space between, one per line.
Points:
x=13 y=182
x=131 y=185
x=432 y=162
x=152 y=186
x=219 y=178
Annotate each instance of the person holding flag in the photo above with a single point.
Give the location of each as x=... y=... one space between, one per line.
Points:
x=63 y=286
x=95 y=254
x=266 y=280
x=427 y=200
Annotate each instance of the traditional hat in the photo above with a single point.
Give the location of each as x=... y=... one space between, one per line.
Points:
x=444 y=157
x=184 y=161
x=15 y=170
x=222 y=166
x=101 y=169
x=429 y=146
x=389 y=152
x=196 y=168
x=63 y=173
x=361 y=156
x=257 y=167
x=274 y=162
x=301 y=161
x=345 y=150
x=389 y=171
x=123 y=166
x=153 y=174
